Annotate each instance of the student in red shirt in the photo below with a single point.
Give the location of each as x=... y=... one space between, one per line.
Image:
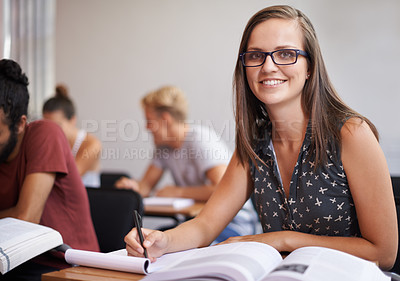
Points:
x=39 y=179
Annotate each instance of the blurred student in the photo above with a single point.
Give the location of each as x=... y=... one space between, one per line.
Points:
x=86 y=148
x=39 y=179
x=195 y=156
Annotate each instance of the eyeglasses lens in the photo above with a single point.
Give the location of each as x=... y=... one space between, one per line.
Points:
x=281 y=57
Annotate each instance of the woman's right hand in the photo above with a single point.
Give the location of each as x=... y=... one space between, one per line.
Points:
x=155 y=242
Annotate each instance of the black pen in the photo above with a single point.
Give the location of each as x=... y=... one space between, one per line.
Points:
x=138 y=223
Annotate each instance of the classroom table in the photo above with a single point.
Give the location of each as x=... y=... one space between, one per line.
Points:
x=168 y=211
x=82 y=273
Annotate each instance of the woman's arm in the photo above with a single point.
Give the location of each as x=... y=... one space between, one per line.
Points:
x=370 y=186
x=198 y=193
x=88 y=156
x=229 y=196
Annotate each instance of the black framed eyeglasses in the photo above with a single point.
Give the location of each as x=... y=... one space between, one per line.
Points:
x=279 y=57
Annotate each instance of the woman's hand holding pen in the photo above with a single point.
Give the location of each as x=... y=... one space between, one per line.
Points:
x=154 y=241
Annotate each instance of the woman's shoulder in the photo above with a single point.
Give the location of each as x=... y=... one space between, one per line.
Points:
x=355 y=128
x=91 y=142
x=357 y=138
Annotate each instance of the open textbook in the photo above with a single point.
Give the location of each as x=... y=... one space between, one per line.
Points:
x=21 y=240
x=242 y=261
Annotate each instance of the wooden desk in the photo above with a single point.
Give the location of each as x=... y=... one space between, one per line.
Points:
x=81 y=273
x=167 y=211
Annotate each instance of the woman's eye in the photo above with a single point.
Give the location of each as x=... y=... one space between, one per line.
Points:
x=286 y=54
x=255 y=56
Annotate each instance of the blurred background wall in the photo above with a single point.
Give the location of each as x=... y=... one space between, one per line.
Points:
x=110 y=53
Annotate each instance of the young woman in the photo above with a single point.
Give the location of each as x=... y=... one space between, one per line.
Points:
x=86 y=148
x=315 y=166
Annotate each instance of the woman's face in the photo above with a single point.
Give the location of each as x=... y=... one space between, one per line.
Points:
x=277 y=85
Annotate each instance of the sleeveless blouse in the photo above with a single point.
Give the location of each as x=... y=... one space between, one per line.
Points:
x=90 y=178
x=319 y=202
x=80 y=137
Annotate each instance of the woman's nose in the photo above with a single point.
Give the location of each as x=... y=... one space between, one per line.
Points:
x=269 y=65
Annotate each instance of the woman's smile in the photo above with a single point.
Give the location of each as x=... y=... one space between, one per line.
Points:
x=272 y=82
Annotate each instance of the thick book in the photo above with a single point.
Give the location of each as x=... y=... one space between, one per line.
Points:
x=21 y=240
x=176 y=203
x=242 y=261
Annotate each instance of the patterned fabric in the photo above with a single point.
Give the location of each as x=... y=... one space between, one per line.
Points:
x=319 y=202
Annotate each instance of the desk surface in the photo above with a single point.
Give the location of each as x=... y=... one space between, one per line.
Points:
x=81 y=273
x=169 y=211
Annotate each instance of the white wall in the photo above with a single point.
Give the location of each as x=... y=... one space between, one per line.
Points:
x=111 y=53
x=1 y=29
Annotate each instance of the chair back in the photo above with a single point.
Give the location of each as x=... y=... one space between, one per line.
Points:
x=112 y=215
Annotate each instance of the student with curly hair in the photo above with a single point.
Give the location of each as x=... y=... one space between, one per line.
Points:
x=39 y=179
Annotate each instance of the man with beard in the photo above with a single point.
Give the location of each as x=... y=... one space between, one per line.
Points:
x=39 y=181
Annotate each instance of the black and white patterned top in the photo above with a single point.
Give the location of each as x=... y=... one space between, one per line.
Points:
x=319 y=202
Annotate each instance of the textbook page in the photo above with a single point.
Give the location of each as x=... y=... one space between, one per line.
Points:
x=317 y=263
x=246 y=259
x=239 y=261
x=21 y=240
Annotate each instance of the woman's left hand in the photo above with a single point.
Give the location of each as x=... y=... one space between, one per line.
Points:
x=275 y=239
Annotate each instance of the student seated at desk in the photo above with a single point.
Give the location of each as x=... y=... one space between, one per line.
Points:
x=39 y=181
x=195 y=156
x=315 y=165
x=85 y=147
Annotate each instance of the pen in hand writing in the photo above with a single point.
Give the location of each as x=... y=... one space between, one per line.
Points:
x=138 y=223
